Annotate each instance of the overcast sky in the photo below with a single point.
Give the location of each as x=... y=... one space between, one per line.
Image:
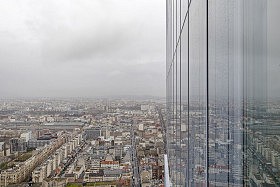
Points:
x=82 y=48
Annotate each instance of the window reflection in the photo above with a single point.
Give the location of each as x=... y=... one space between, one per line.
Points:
x=223 y=92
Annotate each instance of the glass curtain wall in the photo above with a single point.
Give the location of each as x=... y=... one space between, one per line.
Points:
x=223 y=110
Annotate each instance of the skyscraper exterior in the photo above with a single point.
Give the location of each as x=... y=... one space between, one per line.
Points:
x=223 y=109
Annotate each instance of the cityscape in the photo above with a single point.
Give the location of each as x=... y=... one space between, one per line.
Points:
x=139 y=93
x=65 y=142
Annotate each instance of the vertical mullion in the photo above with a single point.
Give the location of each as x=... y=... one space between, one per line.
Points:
x=180 y=91
x=207 y=97
x=176 y=88
x=228 y=103
x=188 y=178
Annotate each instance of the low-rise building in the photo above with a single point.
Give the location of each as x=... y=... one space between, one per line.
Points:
x=110 y=164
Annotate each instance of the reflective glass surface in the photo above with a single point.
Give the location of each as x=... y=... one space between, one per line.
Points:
x=223 y=109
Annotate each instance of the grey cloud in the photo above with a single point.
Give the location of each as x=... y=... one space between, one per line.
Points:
x=82 y=48
x=73 y=47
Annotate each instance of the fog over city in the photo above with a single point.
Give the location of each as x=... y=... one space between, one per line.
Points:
x=83 y=48
x=139 y=93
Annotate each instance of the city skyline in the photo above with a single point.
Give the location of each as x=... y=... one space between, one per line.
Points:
x=140 y=93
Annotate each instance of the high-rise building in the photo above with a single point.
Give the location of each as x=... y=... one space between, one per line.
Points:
x=223 y=109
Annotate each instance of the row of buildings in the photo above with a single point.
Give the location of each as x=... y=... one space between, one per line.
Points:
x=56 y=162
x=22 y=170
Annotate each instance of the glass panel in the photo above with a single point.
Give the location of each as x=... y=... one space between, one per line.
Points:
x=261 y=113
x=223 y=122
x=197 y=94
x=225 y=98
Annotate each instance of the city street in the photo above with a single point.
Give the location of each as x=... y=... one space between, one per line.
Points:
x=136 y=176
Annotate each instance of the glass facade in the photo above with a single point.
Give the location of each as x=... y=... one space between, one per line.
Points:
x=223 y=92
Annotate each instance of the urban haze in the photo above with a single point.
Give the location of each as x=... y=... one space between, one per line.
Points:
x=139 y=93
